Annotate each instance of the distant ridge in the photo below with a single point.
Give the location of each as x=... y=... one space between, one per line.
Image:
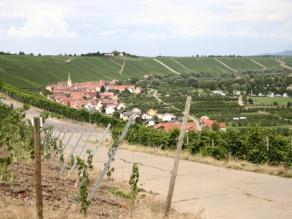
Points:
x=284 y=53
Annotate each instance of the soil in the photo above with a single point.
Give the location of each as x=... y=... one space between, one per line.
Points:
x=59 y=194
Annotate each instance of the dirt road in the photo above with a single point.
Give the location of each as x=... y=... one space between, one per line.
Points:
x=223 y=193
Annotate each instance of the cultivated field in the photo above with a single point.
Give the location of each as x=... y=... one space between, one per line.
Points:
x=271 y=100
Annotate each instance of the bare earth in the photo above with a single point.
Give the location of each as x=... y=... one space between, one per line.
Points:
x=223 y=193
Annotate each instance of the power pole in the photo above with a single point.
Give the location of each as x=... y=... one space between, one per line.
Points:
x=38 y=169
x=178 y=152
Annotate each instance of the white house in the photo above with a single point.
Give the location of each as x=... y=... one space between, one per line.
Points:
x=89 y=106
x=236 y=92
x=124 y=117
x=145 y=116
x=98 y=107
x=166 y=117
x=137 y=90
x=109 y=110
x=150 y=123
x=218 y=92
x=121 y=106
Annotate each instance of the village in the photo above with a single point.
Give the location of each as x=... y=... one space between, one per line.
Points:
x=103 y=97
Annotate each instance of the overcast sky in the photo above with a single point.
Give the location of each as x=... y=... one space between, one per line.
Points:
x=146 y=27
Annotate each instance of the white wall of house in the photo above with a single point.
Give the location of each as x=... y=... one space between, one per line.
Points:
x=109 y=110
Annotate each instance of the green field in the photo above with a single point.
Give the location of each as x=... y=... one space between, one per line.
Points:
x=271 y=100
x=38 y=71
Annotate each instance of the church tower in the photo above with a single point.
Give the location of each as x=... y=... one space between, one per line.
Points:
x=69 y=82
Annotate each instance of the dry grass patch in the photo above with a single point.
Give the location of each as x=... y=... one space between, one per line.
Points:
x=17 y=199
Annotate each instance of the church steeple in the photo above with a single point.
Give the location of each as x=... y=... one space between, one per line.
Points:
x=69 y=82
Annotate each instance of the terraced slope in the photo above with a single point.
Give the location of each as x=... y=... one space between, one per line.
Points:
x=270 y=63
x=202 y=65
x=137 y=67
x=29 y=71
x=240 y=64
x=32 y=71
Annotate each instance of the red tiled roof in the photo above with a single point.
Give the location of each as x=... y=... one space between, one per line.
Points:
x=207 y=122
x=77 y=95
x=88 y=84
x=106 y=94
x=167 y=126
x=222 y=125
x=108 y=101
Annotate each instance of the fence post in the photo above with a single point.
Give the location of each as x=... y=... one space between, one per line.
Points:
x=112 y=152
x=38 y=169
x=267 y=143
x=178 y=152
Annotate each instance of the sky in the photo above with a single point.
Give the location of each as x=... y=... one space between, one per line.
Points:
x=146 y=27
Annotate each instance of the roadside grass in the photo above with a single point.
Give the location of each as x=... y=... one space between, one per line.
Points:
x=230 y=163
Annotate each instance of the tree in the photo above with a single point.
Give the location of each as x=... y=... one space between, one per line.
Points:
x=215 y=126
x=255 y=144
x=250 y=101
x=102 y=89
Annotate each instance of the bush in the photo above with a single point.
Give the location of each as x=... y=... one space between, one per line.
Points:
x=219 y=153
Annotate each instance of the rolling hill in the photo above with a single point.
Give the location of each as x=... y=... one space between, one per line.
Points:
x=38 y=71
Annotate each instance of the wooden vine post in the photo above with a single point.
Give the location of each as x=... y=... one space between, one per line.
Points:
x=38 y=168
x=178 y=152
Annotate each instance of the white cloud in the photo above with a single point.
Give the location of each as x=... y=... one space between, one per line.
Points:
x=114 y=32
x=43 y=24
x=174 y=20
x=142 y=35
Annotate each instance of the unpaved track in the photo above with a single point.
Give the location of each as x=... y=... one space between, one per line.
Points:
x=166 y=66
x=177 y=62
x=122 y=67
x=223 y=193
x=264 y=68
x=283 y=64
x=225 y=65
